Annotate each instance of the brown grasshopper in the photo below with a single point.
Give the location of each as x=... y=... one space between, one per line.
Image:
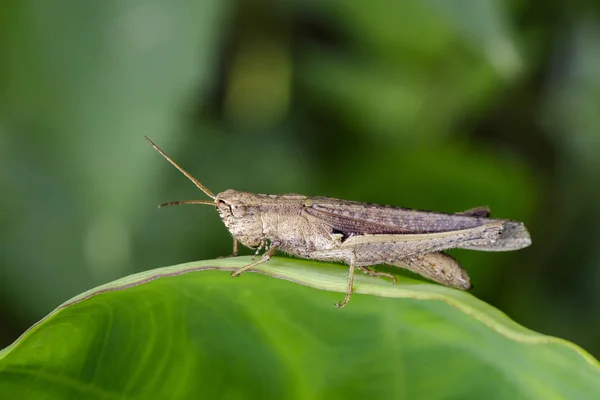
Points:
x=358 y=234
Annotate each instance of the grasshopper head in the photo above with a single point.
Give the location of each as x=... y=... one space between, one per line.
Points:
x=241 y=216
x=239 y=211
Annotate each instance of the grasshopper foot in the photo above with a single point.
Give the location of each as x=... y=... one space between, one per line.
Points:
x=236 y=273
x=342 y=304
x=228 y=256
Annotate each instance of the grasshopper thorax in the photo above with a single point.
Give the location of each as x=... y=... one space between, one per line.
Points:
x=241 y=216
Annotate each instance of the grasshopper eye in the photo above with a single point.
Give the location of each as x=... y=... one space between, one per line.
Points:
x=238 y=211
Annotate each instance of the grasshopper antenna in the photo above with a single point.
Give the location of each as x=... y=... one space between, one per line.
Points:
x=189 y=176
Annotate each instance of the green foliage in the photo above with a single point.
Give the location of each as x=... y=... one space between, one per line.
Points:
x=190 y=331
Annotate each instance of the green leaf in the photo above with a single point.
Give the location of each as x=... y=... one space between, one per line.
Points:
x=189 y=331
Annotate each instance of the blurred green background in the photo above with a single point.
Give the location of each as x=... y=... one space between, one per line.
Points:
x=435 y=104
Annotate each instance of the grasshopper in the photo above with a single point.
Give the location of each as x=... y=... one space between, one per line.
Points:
x=358 y=234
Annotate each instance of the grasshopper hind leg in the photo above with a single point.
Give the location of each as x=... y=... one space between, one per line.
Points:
x=378 y=274
x=438 y=267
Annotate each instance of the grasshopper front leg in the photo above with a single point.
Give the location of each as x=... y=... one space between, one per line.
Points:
x=235 y=250
x=265 y=257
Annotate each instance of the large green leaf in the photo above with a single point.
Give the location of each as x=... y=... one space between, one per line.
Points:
x=189 y=331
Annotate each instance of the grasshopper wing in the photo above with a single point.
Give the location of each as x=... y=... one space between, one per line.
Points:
x=357 y=218
x=397 y=245
x=354 y=218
